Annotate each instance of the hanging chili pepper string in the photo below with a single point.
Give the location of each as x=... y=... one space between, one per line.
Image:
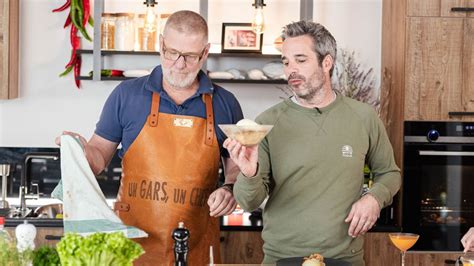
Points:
x=78 y=17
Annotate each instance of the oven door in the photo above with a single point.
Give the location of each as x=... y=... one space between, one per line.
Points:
x=438 y=198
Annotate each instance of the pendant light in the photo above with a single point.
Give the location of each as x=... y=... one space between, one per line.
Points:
x=150 y=17
x=258 y=22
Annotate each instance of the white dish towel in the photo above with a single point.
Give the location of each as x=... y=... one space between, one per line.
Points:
x=85 y=208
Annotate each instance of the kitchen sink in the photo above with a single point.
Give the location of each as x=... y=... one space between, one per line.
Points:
x=48 y=211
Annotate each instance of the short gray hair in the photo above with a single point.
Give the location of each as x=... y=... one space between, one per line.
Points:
x=186 y=21
x=324 y=42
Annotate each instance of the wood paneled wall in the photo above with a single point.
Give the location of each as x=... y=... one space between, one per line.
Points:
x=9 y=48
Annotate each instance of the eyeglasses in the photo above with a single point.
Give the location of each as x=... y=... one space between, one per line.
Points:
x=189 y=58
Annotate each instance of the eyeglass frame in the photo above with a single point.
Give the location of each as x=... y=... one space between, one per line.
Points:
x=180 y=54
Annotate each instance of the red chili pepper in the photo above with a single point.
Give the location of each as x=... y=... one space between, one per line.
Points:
x=68 y=21
x=75 y=42
x=63 y=7
x=86 y=5
x=116 y=73
x=77 y=72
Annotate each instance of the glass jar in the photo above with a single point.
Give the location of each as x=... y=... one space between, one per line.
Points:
x=144 y=40
x=124 y=31
x=107 y=29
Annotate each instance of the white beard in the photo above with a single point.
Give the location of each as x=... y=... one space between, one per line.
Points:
x=177 y=82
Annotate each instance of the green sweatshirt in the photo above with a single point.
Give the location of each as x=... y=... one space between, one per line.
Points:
x=311 y=168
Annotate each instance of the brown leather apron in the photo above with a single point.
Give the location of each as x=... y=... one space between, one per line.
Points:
x=169 y=172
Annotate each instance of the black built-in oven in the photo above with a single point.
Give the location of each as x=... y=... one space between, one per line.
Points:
x=438 y=183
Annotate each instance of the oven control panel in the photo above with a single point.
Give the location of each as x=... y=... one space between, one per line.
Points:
x=466 y=129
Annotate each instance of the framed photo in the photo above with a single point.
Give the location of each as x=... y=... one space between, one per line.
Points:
x=240 y=38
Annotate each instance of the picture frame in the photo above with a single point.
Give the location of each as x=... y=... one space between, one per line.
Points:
x=240 y=38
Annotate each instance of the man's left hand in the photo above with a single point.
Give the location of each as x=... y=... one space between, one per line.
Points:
x=363 y=215
x=221 y=202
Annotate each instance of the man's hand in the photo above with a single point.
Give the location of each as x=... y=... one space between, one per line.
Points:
x=363 y=215
x=98 y=151
x=245 y=158
x=468 y=240
x=221 y=202
x=80 y=138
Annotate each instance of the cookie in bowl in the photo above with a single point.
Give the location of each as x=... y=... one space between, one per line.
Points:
x=314 y=260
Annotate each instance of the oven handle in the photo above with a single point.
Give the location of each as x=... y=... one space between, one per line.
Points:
x=446 y=153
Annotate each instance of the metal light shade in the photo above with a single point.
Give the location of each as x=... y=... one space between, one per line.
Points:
x=150 y=2
x=258 y=3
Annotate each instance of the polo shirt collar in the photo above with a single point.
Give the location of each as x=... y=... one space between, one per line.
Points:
x=154 y=82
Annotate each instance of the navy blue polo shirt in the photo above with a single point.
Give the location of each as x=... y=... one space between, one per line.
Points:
x=126 y=110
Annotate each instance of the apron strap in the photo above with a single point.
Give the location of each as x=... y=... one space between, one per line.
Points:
x=121 y=206
x=155 y=108
x=209 y=119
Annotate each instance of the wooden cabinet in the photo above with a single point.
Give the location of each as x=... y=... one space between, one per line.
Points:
x=435 y=81
x=439 y=61
x=241 y=247
x=430 y=258
x=9 y=46
x=245 y=247
x=439 y=8
x=43 y=235
x=427 y=64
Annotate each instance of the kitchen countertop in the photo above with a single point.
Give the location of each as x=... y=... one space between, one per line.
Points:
x=237 y=221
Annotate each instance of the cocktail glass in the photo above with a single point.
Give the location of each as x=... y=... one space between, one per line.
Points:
x=467 y=259
x=403 y=241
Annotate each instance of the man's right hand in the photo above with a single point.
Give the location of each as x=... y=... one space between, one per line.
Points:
x=75 y=135
x=98 y=151
x=245 y=158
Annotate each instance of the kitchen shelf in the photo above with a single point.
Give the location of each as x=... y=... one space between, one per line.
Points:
x=306 y=13
x=240 y=81
x=116 y=52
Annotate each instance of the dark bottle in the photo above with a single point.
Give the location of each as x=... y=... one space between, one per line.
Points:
x=180 y=236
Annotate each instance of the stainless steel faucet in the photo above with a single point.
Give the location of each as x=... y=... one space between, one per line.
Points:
x=24 y=182
x=4 y=173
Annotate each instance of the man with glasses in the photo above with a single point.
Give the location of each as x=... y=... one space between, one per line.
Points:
x=171 y=148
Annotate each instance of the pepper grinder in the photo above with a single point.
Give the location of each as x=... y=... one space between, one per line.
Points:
x=181 y=237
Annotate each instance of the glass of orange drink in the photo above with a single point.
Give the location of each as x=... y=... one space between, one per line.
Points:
x=403 y=241
x=467 y=259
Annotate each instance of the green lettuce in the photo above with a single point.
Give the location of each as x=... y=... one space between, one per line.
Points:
x=98 y=249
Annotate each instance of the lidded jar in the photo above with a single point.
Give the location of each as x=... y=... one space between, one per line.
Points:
x=144 y=40
x=124 y=31
x=107 y=29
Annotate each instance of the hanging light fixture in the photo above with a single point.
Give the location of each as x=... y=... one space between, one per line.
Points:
x=258 y=22
x=150 y=17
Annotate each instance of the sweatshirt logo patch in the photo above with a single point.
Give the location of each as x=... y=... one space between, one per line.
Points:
x=347 y=151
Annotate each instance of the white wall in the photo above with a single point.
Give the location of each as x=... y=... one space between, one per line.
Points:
x=49 y=104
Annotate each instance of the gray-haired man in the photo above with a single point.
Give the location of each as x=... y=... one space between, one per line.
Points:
x=311 y=163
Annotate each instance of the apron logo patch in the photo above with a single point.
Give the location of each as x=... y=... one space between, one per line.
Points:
x=183 y=122
x=347 y=151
